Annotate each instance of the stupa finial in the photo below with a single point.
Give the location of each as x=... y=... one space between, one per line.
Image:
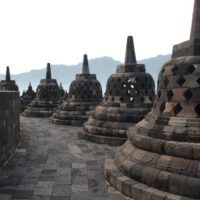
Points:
x=130 y=57
x=7 y=74
x=85 y=69
x=195 y=29
x=192 y=46
x=48 y=72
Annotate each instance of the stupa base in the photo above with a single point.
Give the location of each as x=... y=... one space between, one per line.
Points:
x=134 y=189
x=74 y=122
x=100 y=139
x=38 y=113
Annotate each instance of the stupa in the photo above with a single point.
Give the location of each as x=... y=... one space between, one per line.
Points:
x=161 y=159
x=8 y=84
x=85 y=93
x=47 y=97
x=27 y=97
x=129 y=96
x=63 y=93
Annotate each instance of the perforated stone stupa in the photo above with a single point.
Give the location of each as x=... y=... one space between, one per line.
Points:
x=129 y=96
x=27 y=97
x=85 y=94
x=8 y=84
x=47 y=97
x=161 y=159
x=63 y=93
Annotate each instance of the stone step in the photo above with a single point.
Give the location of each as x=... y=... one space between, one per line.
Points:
x=134 y=189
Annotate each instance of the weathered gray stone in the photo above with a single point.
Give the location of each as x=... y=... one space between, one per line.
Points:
x=85 y=94
x=47 y=98
x=129 y=96
x=168 y=163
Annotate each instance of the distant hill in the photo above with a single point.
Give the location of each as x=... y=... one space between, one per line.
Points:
x=103 y=67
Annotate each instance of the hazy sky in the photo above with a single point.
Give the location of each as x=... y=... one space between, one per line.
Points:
x=34 y=32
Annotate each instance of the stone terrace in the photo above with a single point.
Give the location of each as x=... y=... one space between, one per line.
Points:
x=52 y=163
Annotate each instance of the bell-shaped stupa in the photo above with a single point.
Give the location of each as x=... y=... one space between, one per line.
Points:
x=8 y=84
x=85 y=93
x=63 y=93
x=129 y=96
x=161 y=159
x=27 y=97
x=47 y=97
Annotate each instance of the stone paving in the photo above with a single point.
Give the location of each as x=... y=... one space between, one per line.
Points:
x=52 y=163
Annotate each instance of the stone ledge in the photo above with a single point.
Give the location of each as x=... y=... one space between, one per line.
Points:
x=112 y=141
x=74 y=122
x=134 y=189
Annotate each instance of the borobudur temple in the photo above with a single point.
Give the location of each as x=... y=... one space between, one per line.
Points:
x=161 y=159
x=129 y=96
x=85 y=93
x=47 y=98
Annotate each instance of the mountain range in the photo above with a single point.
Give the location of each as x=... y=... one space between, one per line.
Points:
x=103 y=67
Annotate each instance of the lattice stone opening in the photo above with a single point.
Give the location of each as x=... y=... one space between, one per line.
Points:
x=174 y=69
x=197 y=109
x=159 y=94
x=166 y=81
x=180 y=81
x=122 y=99
x=188 y=94
x=190 y=69
x=198 y=80
x=162 y=107
x=170 y=94
x=124 y=85
x=177 y=108
x=131 y=99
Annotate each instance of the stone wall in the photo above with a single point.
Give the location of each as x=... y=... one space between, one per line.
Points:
x=9 y=123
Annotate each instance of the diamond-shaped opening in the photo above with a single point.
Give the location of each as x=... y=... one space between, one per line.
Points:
x=166 y=81
x=159 y=94
x=137 y=92
x=180 y=80
x=162 y=70
x=197 y=109
x=177 y=108
x=190 y=68
x=132 y=86
x=162 y=107
x=198 y=80
x=187 y=94
x=121 y=99
x=170 y=94
x=124 y=85
x=142 y=99
x=128 y=92
x=131 y=99
x=174 y=69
